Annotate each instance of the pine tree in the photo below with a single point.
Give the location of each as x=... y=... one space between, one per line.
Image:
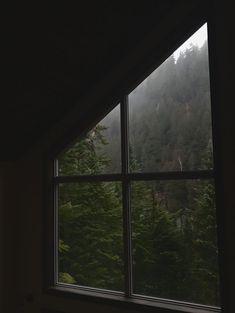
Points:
x=173 y=222
x=90 y=219
x=205 y=262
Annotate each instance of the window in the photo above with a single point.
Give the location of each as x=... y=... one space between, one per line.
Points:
x=135 y=197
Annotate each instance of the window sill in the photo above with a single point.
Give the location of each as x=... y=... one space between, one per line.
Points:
x=136 y=302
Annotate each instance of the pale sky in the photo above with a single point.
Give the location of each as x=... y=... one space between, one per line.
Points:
x=197 y=39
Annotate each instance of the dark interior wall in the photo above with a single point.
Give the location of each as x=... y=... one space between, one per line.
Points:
x=1 y=237
x=52 y=58
x=22 y=197
x=11 y=248
x=223 y=88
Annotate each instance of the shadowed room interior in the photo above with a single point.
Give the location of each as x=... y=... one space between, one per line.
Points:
x=62 y=71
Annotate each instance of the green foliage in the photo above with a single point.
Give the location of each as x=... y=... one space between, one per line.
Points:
x=170 y=120
x=85 y=156
x=167 y=244
x=90 y=219
x=205 y=263
x=66 y=278
x=173 y=222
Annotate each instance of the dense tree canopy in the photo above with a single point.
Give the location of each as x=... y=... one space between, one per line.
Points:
x=173 y=222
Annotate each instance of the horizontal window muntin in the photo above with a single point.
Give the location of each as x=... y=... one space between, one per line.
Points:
x=126 y=178
x=137 y=176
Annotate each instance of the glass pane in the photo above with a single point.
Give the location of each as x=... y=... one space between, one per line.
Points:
x=99 y=152
x=170 y=113
x=175 y=252
x=90 y=235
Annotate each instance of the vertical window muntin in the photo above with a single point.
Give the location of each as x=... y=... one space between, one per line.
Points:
x=126 y=177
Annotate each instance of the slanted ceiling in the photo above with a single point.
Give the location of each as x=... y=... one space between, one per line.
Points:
x=51 y=60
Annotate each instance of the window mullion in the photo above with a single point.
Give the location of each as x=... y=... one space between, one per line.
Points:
x=126 y=197
x=56 y=234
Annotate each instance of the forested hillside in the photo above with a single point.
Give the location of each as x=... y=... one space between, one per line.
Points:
x=174 y=242
x=170 y=116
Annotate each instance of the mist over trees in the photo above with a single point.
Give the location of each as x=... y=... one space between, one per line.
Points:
x=174 y=242
x=170 y=116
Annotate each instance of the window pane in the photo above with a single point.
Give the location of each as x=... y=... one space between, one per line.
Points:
x=170 y=114
x=98 y=152
x=90 y=235
x=174 y=240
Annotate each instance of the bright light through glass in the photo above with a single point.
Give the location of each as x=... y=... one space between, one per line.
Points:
x=197 y=39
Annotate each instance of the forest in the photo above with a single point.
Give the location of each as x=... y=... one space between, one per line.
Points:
x=174 y=236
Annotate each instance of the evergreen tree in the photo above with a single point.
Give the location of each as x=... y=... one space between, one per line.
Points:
x=205 y=261
x=173 y=222
x=90 y=220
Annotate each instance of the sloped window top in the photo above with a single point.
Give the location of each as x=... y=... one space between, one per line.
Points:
x=98 y=152
x=135 y=198
x=170 y=112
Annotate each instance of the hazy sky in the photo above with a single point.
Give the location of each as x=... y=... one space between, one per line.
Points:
x=197 y=38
